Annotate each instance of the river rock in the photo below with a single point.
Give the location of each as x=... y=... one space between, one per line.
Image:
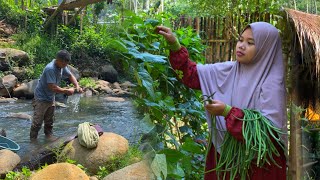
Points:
x=26 y=89
x=116 y=85
x=137 y=171
x=19 y=72
x=109 y=145
x=106 y=89
x=7 y=83
x=127 y=85
x=8 y=161
x=9 y=56
x=101 y=83
x=60 y=171
x=108 y=73
x=20 y=116
x=103 y=86
x=88 y=93
x=114 y=99
x=44 y=155
x=7 y=100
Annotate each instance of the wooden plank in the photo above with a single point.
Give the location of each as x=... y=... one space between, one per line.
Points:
x=215 y=41
x=190 y=21
x=208 y=54
x=78 y=3
x=217 y=44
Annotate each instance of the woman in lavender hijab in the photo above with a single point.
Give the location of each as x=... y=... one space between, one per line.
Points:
x=254 y=81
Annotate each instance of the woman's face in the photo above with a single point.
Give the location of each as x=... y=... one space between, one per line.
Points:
x=245 y=49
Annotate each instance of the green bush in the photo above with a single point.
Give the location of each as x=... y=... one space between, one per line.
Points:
x=87 y=82
x=11 y=13
x=41 y=48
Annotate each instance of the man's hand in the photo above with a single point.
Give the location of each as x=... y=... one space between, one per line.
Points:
x=216 y=108
x=69 y=92
x=79 y=89
x=166 y=33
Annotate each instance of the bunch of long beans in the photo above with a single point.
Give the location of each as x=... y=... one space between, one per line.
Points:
x=258 y=148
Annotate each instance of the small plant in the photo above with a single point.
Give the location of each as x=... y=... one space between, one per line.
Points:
x=26 y=172
x=87 y=82
x=11 y=175
x=15 y=175
x=103 y=172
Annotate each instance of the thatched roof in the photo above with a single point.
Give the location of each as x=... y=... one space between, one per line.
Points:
x=307 y=28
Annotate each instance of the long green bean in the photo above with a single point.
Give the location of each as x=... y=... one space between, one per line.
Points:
x=257 y=149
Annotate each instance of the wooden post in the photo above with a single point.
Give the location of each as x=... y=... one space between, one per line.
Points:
x=81 y=22
x=197 y=24
x=295 y=151
x=48 y=21
x=295 y=148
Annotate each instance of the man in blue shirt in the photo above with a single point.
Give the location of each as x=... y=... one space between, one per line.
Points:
x=44 y=95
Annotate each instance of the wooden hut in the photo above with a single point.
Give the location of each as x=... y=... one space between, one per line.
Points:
x=303 y=39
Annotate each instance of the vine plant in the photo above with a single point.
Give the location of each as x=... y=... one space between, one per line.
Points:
x=175 y=110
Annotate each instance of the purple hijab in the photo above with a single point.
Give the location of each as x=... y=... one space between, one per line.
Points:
x=258 y=85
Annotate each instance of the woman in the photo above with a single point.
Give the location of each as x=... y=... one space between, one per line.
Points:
x=252 y=87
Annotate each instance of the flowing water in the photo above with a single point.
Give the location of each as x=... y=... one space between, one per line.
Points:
x=117 y=117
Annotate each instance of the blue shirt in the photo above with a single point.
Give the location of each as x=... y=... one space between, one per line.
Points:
x=51 y=74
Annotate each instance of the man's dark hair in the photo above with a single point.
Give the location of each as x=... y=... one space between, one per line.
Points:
x=64 y=55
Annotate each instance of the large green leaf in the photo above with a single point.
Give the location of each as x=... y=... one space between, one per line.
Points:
x=159 y=166
x=175 y=171
x=146 y=80
x=191 y=146
x=147 y=57
x=152 y=22
x=172 y=155
x=116 y=44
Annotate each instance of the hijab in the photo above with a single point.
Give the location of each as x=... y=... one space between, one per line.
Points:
x=258 y=85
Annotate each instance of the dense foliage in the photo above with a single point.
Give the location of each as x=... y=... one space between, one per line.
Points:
x=175 y=109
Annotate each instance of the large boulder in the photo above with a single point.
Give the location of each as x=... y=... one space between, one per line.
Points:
x=108 y=73
x=7 y=83
x=26 y=89
x=9 y=57
x=74 y=71
x=137 y=171
x=20 y=73
x=8 y=161
x=109 y=146
x=60 y=171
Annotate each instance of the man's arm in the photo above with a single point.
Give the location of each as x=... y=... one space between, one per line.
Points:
x=57 y=89
x=74 y=81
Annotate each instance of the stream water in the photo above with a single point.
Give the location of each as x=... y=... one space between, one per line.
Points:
x=117 y=117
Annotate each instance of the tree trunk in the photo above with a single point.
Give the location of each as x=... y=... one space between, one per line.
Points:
x=147 y=5
x=162 y=6
x=22 y=5
x=135 y=6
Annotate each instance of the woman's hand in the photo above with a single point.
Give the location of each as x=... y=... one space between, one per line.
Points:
x=166 y=33
x=216 y=108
